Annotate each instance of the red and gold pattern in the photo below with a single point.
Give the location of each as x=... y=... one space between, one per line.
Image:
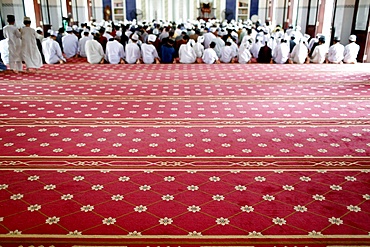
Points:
x=185 y=155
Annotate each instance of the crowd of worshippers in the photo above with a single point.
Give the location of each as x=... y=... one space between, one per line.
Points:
x=159 y=42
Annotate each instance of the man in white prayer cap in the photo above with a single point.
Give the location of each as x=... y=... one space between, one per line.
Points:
x=336 y=51
x=351 y=50
x=70 y=43
x=133 y=53
x=114 y=52
x=51 y=50
x=82 y=43
x=149 y=52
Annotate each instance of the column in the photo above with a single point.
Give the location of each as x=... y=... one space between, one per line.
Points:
x=271 y=7
x=37 y=10
x=69 y=8
x=291 y=6
x=89 y=10
x=324 y=18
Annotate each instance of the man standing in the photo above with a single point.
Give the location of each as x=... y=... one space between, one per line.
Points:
x=336 y=51
x=51 y=49
x=351 y=50
x=30 y=53
x=70 y=43
x=14 y=44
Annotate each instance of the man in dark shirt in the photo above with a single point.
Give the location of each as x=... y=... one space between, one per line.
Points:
x=265 y=54
x=102 y=40
x=168 y=52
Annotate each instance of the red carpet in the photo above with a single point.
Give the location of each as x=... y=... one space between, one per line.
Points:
x=185 y=155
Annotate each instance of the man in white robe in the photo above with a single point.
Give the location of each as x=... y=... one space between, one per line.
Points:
x=149 y=52
x=351 y=50
x=40 y=34
x=133 y=53
x=4 y=50
x=30 y=53
x=208 y=37
x=220 y=43
x=244 y=55
x=255 y=49
x=210 y=56
x=51 y=49
x=319 y=52
x=82 y=43
x=187 y=53
x=199 y=48
x=70 y=43
x=14 y=44
x=300 y=52
x=281 y=53
x=114 y=52
x=336 y=51
x=228 y=53
x=94 y=50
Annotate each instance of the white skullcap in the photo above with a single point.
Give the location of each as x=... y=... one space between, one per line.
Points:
x=53 y=33
x=234 y=34
x=135 y=37
x=213 y=29
x=108 y=29
x=38 y=29
x=119 y=33
x=152 y=37
x=75 y=27
x=69 y=29
x=352 y=37
x=200 y=39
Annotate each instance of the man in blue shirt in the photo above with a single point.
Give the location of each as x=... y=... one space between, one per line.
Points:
x=168 y=52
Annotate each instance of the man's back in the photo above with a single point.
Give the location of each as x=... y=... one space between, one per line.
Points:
x=133 y=53
x=264 y=55
x=350 y=52
x=70 y=45
x=336 y=53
